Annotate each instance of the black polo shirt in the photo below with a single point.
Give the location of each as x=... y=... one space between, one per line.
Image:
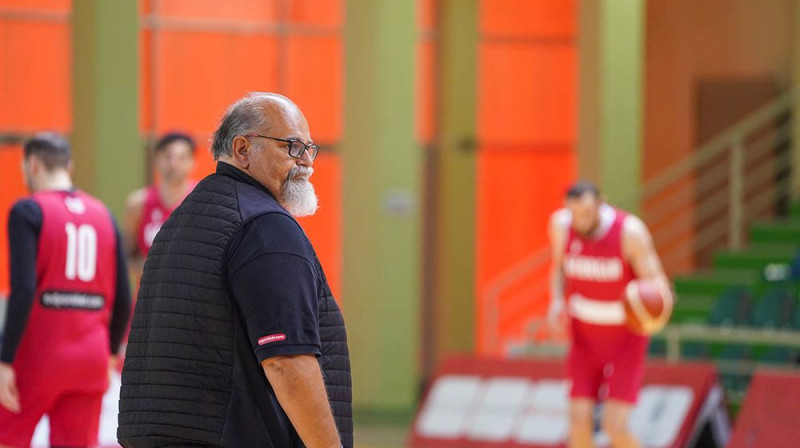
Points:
x=272 y=276
x=273 y=279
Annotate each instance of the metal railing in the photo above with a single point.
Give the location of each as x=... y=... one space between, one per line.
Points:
x=738 y=176
x=716 y=192
x=675 y=335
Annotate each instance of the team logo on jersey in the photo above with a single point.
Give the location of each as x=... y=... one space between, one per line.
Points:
x=575 y=247
x=73 y=301
x=593 y=269
x=75 y=205
x=151 y=228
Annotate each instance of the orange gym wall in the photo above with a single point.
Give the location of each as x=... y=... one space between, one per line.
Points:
x=682 y=48
x=527 y=86
x=35 y=91
x=198 y=56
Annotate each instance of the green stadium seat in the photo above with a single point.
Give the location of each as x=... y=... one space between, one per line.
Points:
x=731 y=308
x=737 y=382
x=778 y=355
x=695 y=350
x=657 y=348
x=735 y=352
x=775 y=309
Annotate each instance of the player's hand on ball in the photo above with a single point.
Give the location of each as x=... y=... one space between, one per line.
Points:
x=9 y=395
x=648 y=305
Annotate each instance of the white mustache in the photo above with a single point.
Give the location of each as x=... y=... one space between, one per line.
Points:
x=300 y=173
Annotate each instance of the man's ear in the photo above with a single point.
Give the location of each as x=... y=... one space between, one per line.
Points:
x=240 y=152
x=34 y=165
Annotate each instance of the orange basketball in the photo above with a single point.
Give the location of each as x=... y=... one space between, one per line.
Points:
x=648 y=306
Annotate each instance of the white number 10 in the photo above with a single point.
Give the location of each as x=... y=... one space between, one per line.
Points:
x=81 y=252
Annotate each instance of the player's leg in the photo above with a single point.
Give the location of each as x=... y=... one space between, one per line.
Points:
x=581 y=416
x=586 y=378
x=623 y=387
x=16 y=430
x=75 y=419
x=615 y=424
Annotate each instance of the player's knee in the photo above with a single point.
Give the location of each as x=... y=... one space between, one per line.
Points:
x=582 y=416
x=615 y=424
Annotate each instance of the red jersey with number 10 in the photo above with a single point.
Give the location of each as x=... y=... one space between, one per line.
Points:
x=67 y=334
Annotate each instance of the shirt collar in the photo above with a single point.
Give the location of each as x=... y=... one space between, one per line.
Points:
x=226 y=169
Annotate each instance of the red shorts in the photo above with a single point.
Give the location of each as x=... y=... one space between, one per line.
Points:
x=606 y=362
x=74 y=417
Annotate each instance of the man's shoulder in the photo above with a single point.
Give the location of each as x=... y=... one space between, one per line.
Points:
x=283 y=232
x=560 y=219
x=633 y=225
x=138 y=197
x=25 y=207
x=270 y=234
x=635 y=233
x=91 y=199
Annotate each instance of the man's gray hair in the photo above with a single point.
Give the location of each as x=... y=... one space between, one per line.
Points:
x=242 y=117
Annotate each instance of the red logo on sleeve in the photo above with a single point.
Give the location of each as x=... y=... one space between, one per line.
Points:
x=277 y=337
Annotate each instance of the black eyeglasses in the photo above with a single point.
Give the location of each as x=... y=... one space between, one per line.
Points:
x=296 y=147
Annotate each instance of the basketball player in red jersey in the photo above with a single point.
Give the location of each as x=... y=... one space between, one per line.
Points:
x=597 y=250
x=147 y=208
x=68 y=308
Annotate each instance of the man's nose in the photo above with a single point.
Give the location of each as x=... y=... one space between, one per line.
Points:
x=305 y=159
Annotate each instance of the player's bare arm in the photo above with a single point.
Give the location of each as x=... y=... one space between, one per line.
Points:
x=300 y=389
x=9 y=395
x=134 y=205
x=558 y=226
x=640 y=252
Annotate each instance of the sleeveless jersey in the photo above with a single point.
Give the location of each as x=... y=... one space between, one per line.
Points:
x=66 y=339
x=154 y=213
x=595 y=268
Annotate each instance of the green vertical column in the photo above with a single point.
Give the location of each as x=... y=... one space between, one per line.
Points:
x=455 y=232
x=381 y=197
x=622 y=37
x=588 y=139
x=109 y=159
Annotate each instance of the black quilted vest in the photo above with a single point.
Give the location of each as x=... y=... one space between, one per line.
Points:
x=190 y=376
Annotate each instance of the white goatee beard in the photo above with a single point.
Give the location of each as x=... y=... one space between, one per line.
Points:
x=297 y=195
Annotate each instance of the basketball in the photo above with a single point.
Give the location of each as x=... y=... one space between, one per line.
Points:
x=648 y=306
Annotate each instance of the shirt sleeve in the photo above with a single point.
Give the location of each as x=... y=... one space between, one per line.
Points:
x=275 y=285
x=24 y=226
x=121 y=312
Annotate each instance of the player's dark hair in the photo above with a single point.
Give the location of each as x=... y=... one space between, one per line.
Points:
x=581 y=188
x=51 y=148
x=172 y=137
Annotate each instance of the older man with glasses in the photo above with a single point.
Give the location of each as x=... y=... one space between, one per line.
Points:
x=236 y=339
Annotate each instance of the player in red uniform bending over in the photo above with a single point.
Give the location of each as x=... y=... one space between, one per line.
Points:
x=597 y=250
x=69 y=304
x=147 y=208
